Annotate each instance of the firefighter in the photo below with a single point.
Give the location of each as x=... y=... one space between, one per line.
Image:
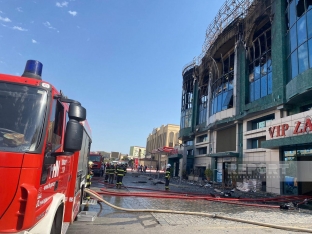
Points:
x=125 y=171
x=89 y=177
x=167 y=177
x=120 y=173
x=107 y=172
x=111 y=174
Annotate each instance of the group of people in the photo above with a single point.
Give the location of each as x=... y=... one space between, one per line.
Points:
x=115 y=172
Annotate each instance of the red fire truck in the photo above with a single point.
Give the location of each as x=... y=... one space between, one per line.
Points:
x=98 y=161
x=44 y=146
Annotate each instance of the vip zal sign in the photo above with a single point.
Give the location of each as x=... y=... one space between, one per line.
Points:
x=290 y=128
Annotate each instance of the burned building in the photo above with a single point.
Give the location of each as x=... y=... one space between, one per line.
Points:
x=246 y=100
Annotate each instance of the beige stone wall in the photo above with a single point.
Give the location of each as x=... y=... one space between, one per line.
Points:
x=165 y=135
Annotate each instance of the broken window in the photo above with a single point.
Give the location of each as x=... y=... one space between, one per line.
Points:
x=222 y=87
x=187 y=98
x=260 y=65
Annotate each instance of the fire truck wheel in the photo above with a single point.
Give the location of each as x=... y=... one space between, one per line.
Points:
x=58 y=220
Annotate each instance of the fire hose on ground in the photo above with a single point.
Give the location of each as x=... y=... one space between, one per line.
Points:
x=229 y=200
x=298 y=229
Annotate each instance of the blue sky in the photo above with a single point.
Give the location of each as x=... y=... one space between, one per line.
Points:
x=122 y=59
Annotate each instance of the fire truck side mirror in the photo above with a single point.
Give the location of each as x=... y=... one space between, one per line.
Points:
x=77 y=112
x=73 y=136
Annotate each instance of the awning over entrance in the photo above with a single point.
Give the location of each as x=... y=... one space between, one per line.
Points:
x=286 y=141
x=223 y=154
x=165 y=149
x=176 y=156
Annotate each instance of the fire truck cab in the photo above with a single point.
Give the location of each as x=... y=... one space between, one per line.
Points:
x=44 y=146
x=98 y=160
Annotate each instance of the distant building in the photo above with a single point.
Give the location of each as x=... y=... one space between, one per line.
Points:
x=164 y=136
x=137 y=153
x=115 y=155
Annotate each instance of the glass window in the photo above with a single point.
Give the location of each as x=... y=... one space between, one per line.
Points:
x=257 y=69
x=251 y=73
x=221 y=85
x=303 y=61
x=219 y=102
x=22 y=111
x=215 y=105
x=252 y=92
x=56 y=126
x=293 y=38
x=261 y=65
x=254 y=143
x=269 y=61
x=264 y=86
x=257 y=89
x=294 y=64
x=309 y=24
x=261 y=122
x=292 y=13
x=224 y=107
x=300 y=8
x=270 y=83
x=202 y=150
x=230 y=84
x=310 y=52
x=301 y=30
x=309 y=4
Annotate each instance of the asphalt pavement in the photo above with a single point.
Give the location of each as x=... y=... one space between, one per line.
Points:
x=110 y=220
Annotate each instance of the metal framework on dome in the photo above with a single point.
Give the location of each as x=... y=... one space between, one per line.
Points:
x=229 y=11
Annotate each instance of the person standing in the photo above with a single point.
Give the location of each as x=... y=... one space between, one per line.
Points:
x=107 y=167
x=89 y=177
x=167 y=177
x=120 y=173
x=111 y=174
x=102 y=169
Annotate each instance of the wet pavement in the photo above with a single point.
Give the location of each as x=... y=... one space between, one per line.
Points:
x=110 y=220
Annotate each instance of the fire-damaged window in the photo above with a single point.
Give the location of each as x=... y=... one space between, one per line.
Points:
x=202 y=101
x=187 y=98
x=222 y=87
x=260 y=64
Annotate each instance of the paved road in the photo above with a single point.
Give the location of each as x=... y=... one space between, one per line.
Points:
x=114 y=221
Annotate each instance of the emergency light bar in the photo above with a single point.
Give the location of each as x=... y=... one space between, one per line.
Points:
x=33 y=69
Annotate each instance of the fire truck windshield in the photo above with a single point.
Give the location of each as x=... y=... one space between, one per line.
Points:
x=95 y=158
x=22 y=111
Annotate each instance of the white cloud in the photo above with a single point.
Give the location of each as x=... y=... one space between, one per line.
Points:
x=73 y=13
x=19 y=28
x=48 y=25
x=19 y=9
x=6 y=19
x=63 y=4
x=33 y=41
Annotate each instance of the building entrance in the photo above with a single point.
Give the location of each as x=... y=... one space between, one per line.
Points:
x=296 y=179
x=304 y=167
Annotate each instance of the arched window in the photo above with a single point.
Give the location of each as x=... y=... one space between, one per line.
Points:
x=260 y=64
x=222 y=87
x=202 y=100
x=187 y=98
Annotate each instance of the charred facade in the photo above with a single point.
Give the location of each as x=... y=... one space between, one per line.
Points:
x=253 y=74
